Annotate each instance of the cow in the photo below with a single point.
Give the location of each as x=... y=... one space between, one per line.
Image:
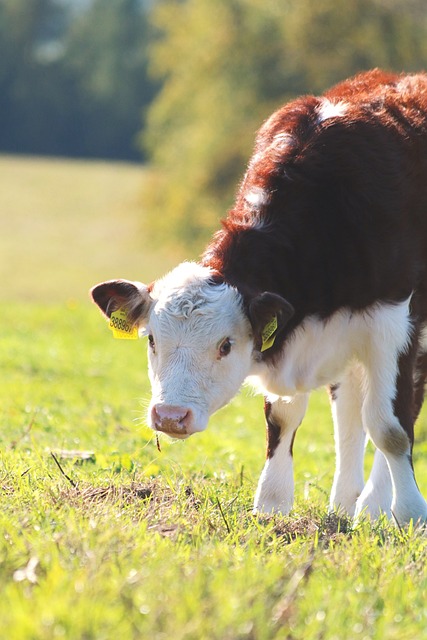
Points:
x=318 y=277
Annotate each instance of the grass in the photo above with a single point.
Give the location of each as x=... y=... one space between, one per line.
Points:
x=117 y=539
x=70 y=224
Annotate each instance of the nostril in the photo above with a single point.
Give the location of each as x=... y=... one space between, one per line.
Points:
x=181 y=419
x=187 y=418
x=155 y=418
x=171 y=418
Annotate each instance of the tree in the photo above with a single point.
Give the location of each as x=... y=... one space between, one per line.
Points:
x=106 y=53
x=26 y=74
x=73 y=81
x=226 y=64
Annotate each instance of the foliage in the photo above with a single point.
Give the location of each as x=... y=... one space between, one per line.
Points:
x=109 y=67
x=225 y=65
x=73 y=81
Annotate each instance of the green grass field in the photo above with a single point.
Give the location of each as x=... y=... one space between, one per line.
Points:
x=110 y=538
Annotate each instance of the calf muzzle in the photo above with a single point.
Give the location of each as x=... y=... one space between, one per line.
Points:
x=173 y=420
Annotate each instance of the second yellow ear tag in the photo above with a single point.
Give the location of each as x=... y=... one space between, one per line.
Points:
x=121 y=327
x=268 y=334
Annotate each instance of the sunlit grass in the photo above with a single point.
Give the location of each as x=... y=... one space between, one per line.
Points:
x=69 y=224
x=121 y=539
x=114 y=539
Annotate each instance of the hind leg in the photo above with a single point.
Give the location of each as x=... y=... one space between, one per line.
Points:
x=419 y=381
x=377 y=494
x=388 y=408
x=349 y=492
x=346 y=404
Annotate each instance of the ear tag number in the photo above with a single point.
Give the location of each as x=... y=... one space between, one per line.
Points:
x=268 y=334
x=121 y=327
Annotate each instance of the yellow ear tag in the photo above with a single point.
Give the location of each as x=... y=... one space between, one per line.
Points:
x=121 y=327
x=268 y=334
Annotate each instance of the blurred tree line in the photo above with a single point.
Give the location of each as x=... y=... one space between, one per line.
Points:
x=183 y=84
x=73 y=76
x=225 y=65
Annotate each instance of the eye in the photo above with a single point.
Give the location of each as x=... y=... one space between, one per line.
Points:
x=151 y=343
x=225 y=347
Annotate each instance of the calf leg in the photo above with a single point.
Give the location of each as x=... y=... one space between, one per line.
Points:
x=388 y=416
x=346 y=404
x=419 y=382
x=349 y=493
x=377 y=494
x=275 y=492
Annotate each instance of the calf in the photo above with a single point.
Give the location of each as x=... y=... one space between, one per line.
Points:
x=317 y=277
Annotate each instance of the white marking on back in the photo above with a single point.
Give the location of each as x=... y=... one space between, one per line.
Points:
x=254 y=215
x=283 y=141
x=257 y=197
x=328 y=109
x=412 y=84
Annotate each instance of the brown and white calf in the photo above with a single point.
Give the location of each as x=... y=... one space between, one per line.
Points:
x=317 y=277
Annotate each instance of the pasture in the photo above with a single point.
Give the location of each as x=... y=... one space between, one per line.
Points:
x=104 y=536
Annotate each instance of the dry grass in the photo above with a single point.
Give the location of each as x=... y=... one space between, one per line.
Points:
x=180 y=510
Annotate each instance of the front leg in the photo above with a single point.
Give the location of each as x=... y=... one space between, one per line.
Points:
x=275 y=492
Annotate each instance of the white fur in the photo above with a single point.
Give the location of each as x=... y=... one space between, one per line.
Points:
x=283 y=141
x=311 y=358
x=275 y=492
x=257 y=197
x=411 y=84
x=423 y=339
x=328 y=109
x=377 y=494
x=349 y=441
x=188 y=321
x=253 y=214
x=407 y=502
x=378 y=416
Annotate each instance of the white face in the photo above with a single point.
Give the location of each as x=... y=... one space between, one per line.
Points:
x=200 y=349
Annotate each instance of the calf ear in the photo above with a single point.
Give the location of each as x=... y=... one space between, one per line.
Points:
x=268 y=314
x=123 y=294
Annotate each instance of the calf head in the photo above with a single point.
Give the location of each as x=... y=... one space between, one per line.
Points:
x=203 y=338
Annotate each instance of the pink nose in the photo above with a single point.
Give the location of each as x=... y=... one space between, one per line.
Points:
x=171 y=419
